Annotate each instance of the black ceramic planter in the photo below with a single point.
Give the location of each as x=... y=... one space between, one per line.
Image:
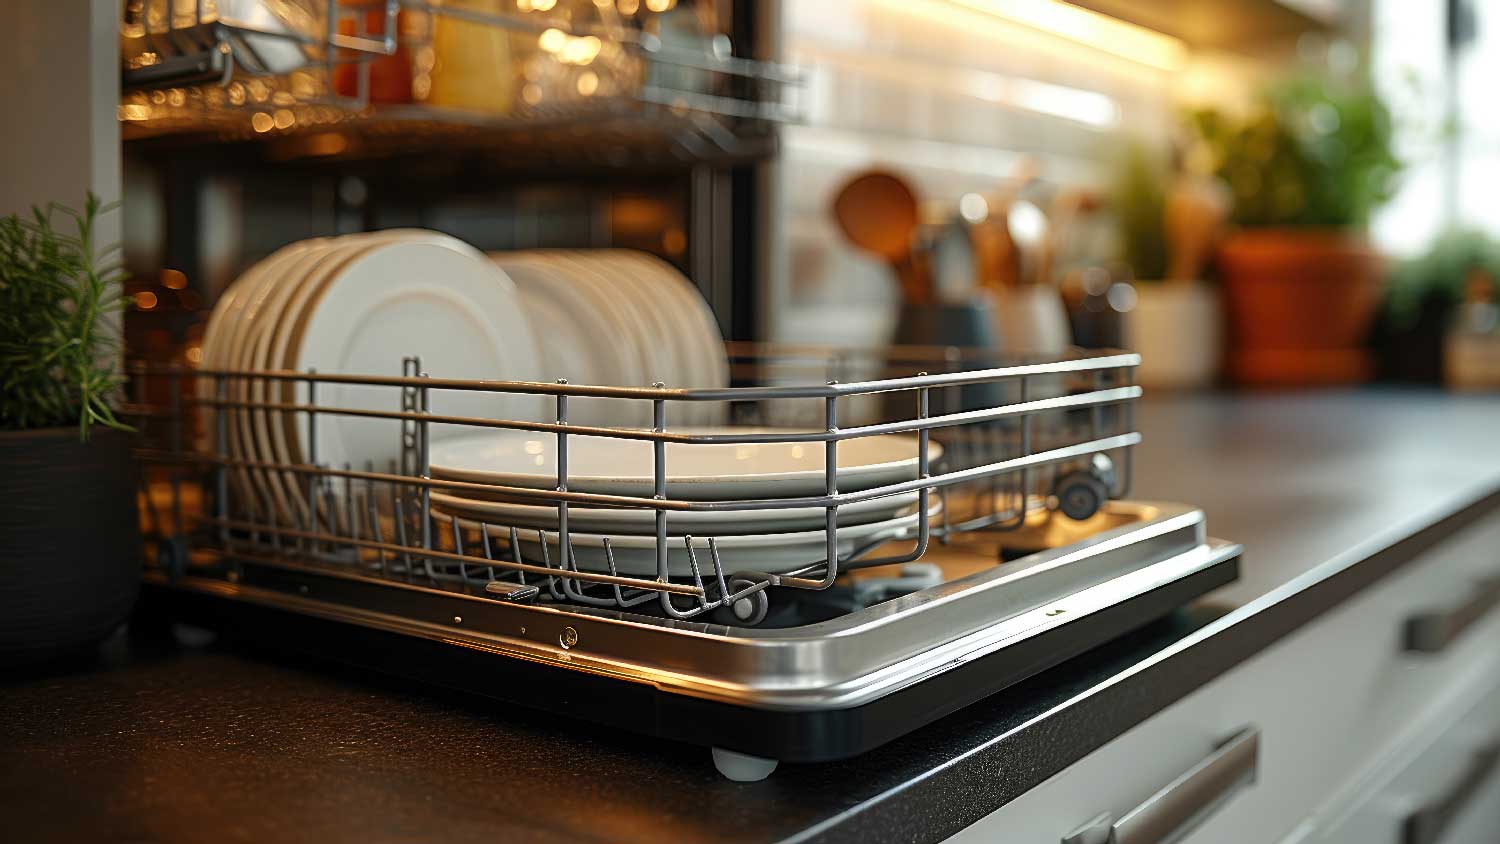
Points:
x=69 y=540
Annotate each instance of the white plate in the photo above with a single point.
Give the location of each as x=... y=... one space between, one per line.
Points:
x=626 y=337
x=260 y=307
x=643 y=522
x=694 y=471
x=255 y=312
x=678 y=331
x=766 y=552
x=283 y=332
x=287 y=488
x=646 y=329
x=222 y=338
x=700 y=329
x=444 y=302
x=576 y=339
x=283 y=317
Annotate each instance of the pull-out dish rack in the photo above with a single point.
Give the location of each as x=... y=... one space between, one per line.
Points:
x=1017 y=554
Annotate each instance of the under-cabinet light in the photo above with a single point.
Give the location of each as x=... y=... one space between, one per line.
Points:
x=1090 y=28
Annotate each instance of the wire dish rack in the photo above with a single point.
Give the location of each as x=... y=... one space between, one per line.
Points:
x=253 y=68
x=998 y=464
x=815 y=660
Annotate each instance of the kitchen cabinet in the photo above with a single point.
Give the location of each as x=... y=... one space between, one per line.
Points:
x=1443 y=791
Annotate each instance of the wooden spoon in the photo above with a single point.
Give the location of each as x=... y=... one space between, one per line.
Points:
x=999 y=258
x=878 y=213
x=1194 y=211
x=1068 y=205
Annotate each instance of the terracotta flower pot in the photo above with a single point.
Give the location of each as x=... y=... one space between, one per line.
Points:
x=70 y=562
x=1300 y=304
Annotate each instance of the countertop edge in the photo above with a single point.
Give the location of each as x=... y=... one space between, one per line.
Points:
x=1110 y=708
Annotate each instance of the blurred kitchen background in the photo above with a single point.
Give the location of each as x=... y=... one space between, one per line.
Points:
x=1249 y=192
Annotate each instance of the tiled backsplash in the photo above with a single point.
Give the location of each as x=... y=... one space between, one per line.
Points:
x=950 y=97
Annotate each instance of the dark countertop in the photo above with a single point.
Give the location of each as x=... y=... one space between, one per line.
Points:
x=155 y=742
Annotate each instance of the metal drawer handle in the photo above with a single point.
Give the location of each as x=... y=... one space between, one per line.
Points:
x=1427 y=824
x=1431 y=632
x=1185 y=803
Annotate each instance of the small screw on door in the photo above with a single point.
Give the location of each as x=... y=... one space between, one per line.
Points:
x=568 y=638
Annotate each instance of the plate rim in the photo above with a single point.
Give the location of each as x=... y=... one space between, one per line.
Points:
x=581 y=483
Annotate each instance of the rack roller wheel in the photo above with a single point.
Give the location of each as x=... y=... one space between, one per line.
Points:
x=748 y=611
x=1080 y=495
x=742 y=767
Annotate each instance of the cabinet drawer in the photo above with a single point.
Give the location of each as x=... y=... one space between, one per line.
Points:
x=1325 y=701
x=1447 y=793
x=1406 y=646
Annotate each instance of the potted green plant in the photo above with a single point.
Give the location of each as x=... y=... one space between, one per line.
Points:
x=69 y=537
x=1168 y=223
x=1302 y=282
x=1422 y=295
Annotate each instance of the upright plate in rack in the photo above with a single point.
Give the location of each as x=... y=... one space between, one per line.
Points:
x=255 y=312
x=629 y=338
x=443 y=302
x=222 y=339
x=670 y=336
x=707 y=335
x=699 y=329
x=652 y=325
x=274 y=305
x=576 y=338
x=702 y=472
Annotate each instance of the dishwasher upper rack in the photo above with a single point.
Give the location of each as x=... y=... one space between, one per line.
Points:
x=404 y=546
x=189 y=71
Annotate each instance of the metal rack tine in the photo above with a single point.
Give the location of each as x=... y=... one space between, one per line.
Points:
x=713 y=557
x=687 y=540
x=515 y=553
x=609 y=559
x=541 y=539
x=400 y=526
x=484 y=540
x=458 y=546
x=372 y=514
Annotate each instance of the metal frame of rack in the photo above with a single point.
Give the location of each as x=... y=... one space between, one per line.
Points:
x=379 y=522
x=370 y=575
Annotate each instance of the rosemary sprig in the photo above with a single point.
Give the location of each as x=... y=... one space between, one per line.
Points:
x=59 y=354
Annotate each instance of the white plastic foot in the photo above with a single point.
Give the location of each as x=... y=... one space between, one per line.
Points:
x=741 y=767
x=189 y=636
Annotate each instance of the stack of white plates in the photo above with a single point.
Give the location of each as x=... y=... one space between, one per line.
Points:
x=359 y=304
x=614 y=316
x=779 y=539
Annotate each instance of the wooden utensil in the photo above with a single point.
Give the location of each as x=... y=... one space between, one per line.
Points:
x=1068 y=205
x=998 y=257
x=1194 y=211
x=1027 y=226
x=878 y=213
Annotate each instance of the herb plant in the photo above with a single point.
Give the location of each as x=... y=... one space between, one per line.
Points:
x=1316 y=153
x=59 y=350
x=1439 y=276
x=1139 y=202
